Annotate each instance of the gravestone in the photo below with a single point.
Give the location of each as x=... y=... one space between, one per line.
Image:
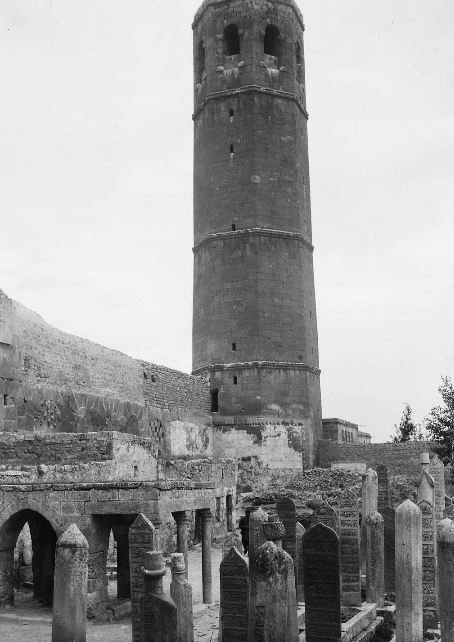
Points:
x=369 y=504
x=445 y=554
x=256 y=537
x=286 y=510
x=350 y=572
x=375 y=587
x=429 y=566
x=409 y=625
x=232 y=539
x=437 y=471
x=273 y=608
x=181 y=594
x=325 y=514
x=300 y=530
x=70 y=587
x=389 y=519
x=321 y=584
x=384 y=489
x=234 y=602
x=159 y=622
x=425 y=488
x=142 y=538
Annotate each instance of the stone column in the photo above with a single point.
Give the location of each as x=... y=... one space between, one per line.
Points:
x=70 y=588
x=142 y=538
x=409 y=573
x=375 y=587
x=158 y=612
x=181 y=593
x=183 y=519
x=206 y=555
x=369 y=505
x=445 y=550
x=300 y=530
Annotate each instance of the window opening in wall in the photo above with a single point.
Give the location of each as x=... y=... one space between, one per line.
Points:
x=233 y=347
x=229 y=511
x=215 y=400
x=136 y=471
x=233 y=227
x=298 y=53
x=5 y=400
x=222 y=473
x=235 y=380
x=231 y=40
x=231 y=149
x=231 y=113
x=201 y=61
x=271 y=42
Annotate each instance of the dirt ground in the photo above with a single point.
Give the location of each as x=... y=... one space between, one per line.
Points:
x=30 y=622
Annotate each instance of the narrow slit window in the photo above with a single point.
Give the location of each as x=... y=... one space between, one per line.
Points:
x=271 y=42
x=215 y=400
x=232 y=150
x=231 y=40
x=235 y=380
x=234 y=347
x=201 y=61
x=231 y=113
x=233 y=227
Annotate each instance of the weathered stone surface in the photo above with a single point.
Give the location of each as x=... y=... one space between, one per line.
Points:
x=183 y=520
x=326 y=514
x=409 y=618
x=445 y=551
x=425 y=488
x=70 y=593
x=142 y=539
x=321 y=584
x=384 y=489
x=286 y=509
x=437 y=471
x=300 y=530
x=181 y=594
x=369 y=504
x=429 y=565
x=256 y=536
x=232 y=539
x=389 y=518
x=274 y=529
x=273 y=597
x=234 y=604
x=350 y=574
x=159 y=622
x=207 y=587
x=375 y=568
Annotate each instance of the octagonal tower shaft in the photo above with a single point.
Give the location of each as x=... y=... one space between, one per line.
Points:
x=254 y=324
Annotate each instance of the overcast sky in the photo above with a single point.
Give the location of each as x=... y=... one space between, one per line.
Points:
x=96 y=185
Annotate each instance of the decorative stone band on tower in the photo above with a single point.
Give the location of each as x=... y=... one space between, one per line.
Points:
x=254 y=327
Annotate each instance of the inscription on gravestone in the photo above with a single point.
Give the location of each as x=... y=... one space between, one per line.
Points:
x=321 y=584
x=384 y=491
x=437 y=470
x=429 y=590
x=286 y=510
x=389 y=518
x=142 y=539
x=350 y=572
x=325 y=514
x=234 y=606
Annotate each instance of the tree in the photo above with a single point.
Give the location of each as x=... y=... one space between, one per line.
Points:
x=407 y=430
x=440 y=422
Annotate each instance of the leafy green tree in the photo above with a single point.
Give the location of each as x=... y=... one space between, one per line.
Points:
x=407 y=430
x=440 y=422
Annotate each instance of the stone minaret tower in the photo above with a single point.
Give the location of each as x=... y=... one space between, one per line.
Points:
x=255 y=326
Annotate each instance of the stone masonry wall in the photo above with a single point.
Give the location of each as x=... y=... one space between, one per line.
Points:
x=402 y=459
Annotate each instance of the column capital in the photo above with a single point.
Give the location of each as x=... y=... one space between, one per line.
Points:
x=182 y=516
x=206 y=514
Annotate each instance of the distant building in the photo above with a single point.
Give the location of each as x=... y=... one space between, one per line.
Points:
x=344 y=432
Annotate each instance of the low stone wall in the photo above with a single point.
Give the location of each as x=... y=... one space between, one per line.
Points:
x=401 y=459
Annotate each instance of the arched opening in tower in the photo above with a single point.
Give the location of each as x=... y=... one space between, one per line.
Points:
x=231 y=40
x=271 y=44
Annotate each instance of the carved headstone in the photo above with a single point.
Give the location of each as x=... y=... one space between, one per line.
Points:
x=325 y=514
x=158 y=612
x=256 y=537
x=408 y=573
x=350 y=573
x=321 y=584
x=142 y=538
x=429 y=566
x=70 y=588
x=445 y=554
x=369 y=504
x=231 y=539
x=286 y=509
x=384 y=489
x=389 y=519
x=437 y=471
x=234 y=604
x=273 y=608
x=375 y=588
x=181 y=594
x=300 y=530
